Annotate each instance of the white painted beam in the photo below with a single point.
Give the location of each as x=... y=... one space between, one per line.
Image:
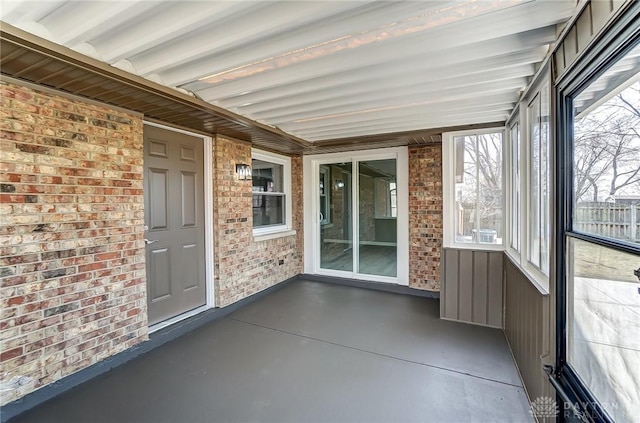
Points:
x=20 y=12
x=384 y=72
x=78 y=22
x=408 y=116
x=308 y=71
x=164 y=26
x=265 y=57
x=402 y=125
x=388 y=100
x=406 y=85
x=263 y=21
x=427 y=124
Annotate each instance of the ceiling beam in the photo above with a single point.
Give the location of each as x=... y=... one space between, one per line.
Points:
x=450 y=120
x=387 y=101
x=477 y=50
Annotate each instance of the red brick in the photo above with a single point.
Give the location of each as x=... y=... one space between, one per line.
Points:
x=8 y=355
x=107 y=256
x=56 y=171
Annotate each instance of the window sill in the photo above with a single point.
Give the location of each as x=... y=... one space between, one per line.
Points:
x=265 y=236
x=476 y=247
x=541 y=284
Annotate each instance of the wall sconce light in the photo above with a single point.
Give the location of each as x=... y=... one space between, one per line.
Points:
x=243 y=171
x=339 y=184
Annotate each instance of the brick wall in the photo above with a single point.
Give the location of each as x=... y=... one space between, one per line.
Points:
x=72 y=287
x=425 y=216
x=367 y=221
x=243 y=266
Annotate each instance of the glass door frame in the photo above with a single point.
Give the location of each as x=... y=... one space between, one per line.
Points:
x=620 y=38
x=311 y=166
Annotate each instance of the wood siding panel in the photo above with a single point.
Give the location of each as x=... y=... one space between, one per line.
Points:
x=600 y=13
x=472 y=286
x=449 y=300
x=593 y=20
x=495 y=290
x=526 y=329
x=480 y=287
x=465 y=286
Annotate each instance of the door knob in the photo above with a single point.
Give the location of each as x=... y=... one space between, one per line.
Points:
x=146 y=241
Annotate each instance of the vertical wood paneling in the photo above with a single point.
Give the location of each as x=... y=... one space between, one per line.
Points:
x=592 y=21
x=471 y=286
x=571 y=45
x=449 y=298
x=600 y=13
x=526 y=317
x=617 y=4
x=480 y=287
x=584 y=31
x=494 y=290
x=559 y=59
x=465 y=286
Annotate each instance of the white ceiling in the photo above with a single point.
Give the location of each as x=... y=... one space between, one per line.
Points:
x=319 y=69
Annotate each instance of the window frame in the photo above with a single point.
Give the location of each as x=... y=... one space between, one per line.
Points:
x=514 y=183
x=448 y=191
x=268 y=232
x=544 y=84
x=388 y=198
x=521 y=115
x=618 y=40
x=326 y=216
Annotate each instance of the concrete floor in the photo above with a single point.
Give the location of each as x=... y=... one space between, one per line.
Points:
x=311 y=352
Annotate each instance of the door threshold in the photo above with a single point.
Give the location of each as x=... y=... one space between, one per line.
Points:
x=180 y=317
x=368 y=284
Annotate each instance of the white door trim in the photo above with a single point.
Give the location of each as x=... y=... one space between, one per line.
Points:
x=311 y=166
x=208 y=224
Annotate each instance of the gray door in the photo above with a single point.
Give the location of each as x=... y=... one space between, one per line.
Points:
x=174 y=219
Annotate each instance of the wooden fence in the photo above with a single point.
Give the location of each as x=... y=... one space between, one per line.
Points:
x=619 y=221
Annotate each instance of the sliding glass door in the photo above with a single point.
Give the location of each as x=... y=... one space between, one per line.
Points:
x=359 y=208
x=377 y=218
x=335 y=216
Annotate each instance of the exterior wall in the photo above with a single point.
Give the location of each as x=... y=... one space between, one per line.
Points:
x=527 y=330
x=244 y=266
x=425 y=216
x=73 y=288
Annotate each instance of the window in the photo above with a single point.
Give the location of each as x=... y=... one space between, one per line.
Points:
x=538 y=181
x=514 y=148
x=473 y=191
x=597 y=225
x=271 y=188
x=325 y=195
x=529 y=183
x=385 y=198
x=607 y=163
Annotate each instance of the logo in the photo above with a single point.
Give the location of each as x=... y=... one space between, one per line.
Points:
x=544 y=407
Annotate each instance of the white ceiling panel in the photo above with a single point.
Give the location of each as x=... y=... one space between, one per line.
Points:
x=319 y=69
